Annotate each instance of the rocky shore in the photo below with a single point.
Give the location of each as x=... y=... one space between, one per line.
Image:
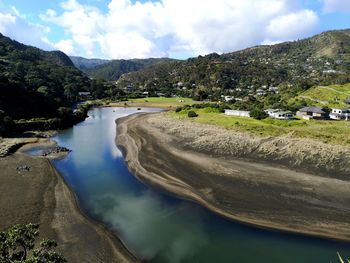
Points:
x=282 y=183
x=32 y=191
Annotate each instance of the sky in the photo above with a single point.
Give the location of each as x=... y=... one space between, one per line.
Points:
x=124 y=29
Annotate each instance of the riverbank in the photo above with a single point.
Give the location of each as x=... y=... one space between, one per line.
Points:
x=301 y=186
x=32 y=191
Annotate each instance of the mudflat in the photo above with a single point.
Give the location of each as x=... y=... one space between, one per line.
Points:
x=32 y=191
x=267 y=182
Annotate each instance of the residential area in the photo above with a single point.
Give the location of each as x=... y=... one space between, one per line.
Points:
x=306 y=113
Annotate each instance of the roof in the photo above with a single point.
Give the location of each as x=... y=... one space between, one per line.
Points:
x=312 y=109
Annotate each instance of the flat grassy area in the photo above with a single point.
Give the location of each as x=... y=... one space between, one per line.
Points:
x=334 y=132
x=332 y=96
x=156 y=102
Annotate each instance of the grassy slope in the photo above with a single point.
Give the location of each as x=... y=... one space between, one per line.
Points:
x=333 y=132
x=332 y=96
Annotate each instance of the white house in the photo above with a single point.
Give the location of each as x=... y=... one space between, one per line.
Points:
x=229 y=98
x=278 y=114
x=340 y=114
x=283 y=115
x=271 y=112
x=240 y=113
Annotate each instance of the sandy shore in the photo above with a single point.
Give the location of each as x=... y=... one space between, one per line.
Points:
x=268 y=182
x=39 y=195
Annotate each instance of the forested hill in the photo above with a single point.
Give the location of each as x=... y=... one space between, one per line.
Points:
x=322 y=59
x=87 y=63
x=35 y=83
x=112 y=70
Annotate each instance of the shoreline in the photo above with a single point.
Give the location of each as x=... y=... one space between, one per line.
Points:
x=153 y=156
x=51 y=202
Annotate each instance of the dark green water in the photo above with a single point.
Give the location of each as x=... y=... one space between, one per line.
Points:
x=158 y=227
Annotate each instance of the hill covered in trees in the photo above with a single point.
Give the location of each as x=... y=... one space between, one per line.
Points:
x=36 y=83
x=291 y=66
x=87 y=63
x=113 y=69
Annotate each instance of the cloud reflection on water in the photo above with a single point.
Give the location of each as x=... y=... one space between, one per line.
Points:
x=140 y=218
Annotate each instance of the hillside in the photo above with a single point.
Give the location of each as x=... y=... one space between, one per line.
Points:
x=35 y=83
x=112 y=70
x=87 y=63
x=323 y=59
x=333 y=96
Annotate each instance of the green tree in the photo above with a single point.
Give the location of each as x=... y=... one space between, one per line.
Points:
x=17 y=245
x=258 y=113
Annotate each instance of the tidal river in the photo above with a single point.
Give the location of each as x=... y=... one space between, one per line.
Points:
x=156 y=226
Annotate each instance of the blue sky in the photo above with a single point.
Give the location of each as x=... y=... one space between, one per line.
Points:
x=166 y=28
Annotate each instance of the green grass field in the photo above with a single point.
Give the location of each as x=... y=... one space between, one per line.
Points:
x=158 y=102
x=331 y=96
x=334 y=132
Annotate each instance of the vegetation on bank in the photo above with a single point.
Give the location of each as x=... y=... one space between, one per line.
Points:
x=17 y=244
x=334 y=132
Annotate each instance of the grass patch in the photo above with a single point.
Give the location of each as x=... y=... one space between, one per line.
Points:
x=162 y=102
x=331 y=96
x=333 y=132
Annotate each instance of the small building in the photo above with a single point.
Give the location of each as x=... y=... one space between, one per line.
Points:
x=271 y=112
x=340 y=114
x=229 y=98
x=283 y=115
x=278 y=114
x=312 y=113
x=85 y=95
x=240 y=113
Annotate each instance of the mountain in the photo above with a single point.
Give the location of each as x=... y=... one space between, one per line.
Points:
x=322 y=59
x=112 y=70
x=87 y=63
x=35 y=83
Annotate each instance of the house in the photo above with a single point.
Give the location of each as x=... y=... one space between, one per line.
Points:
x=129 y=89
x=311 y=113
x=240 y=113
x=271 y=112
x=283 y=115
x=260 y=92
x=84 y=95
x=229 y=98
x=278 y=114
x=340 y=114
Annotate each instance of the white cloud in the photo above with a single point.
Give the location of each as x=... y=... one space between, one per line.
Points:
x=330 y=6
x=15 y=26
x=66 y=46
x=175 y=27
x=292 y=26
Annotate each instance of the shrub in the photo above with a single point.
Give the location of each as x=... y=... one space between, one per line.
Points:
x=178 y=109
x=192 y=114
x=258 y=114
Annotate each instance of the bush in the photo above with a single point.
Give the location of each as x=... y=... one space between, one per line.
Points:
x=178 y=109
x=258 y=114
x=192 y=114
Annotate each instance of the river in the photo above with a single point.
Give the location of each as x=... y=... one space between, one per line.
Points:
x=156 y=226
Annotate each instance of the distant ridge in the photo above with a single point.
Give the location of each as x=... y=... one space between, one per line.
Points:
x=111 y=70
